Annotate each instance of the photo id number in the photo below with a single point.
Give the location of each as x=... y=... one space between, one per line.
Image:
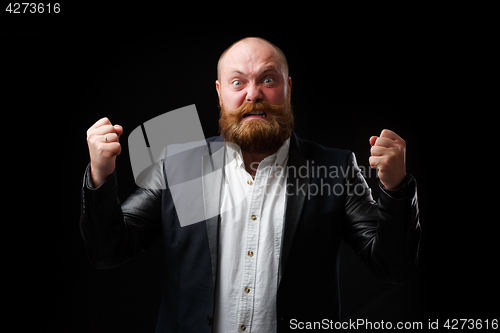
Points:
x=33 y=8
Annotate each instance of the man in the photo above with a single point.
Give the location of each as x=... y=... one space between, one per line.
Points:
x=270 y=257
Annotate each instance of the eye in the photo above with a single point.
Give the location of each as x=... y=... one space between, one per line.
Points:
x=268 y=80
x=237 y=83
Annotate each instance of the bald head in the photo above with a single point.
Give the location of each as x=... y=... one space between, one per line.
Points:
x=251 y=46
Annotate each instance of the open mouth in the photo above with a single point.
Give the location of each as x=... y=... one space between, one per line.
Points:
x=256 y=113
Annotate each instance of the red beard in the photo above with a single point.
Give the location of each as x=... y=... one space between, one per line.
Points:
x=257 y=135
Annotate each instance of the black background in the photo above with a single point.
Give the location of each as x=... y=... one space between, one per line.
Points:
x=355 y=72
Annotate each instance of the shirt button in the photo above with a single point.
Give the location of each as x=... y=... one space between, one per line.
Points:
x=247 y=290
x=254 y=217
x=250 y=253
x=249 y=182
x=243 y=327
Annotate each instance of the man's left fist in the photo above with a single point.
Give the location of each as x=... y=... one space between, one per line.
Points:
x=388 y=156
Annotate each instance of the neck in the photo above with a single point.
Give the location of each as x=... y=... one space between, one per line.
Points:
x=252 y=161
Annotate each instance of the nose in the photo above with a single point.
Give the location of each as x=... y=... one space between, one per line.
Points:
x=254 y=94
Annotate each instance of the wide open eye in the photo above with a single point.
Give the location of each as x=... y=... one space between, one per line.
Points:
x=237 y=83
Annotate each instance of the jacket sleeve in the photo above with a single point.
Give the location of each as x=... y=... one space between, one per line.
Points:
x=385 y=235
x=113 y=233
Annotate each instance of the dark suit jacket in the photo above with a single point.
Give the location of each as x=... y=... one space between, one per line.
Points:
x=323 y=204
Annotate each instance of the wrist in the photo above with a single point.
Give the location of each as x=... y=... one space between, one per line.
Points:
x=399 y=191
x=97 y=178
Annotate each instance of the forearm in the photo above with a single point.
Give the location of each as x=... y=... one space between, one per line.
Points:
x=385 y=235
x=398 y=233
x=114 y=234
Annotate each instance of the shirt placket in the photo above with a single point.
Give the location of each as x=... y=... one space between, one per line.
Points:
x=256 y=195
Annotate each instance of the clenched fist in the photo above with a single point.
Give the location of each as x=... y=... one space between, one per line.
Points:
x=388 y=156
x=102 y=139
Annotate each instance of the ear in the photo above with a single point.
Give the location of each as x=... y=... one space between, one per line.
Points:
x=289 y=82
x=217 y=87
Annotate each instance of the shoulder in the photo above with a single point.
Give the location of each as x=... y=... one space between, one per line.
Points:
x=316 y=148
x=314 y=151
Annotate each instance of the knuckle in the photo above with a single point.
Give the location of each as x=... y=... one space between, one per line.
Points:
x=93 y=140
x=90 y=131
x=398 y=150
x=111 y=129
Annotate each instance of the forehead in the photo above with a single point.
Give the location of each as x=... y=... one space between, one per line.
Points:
x=251 y=59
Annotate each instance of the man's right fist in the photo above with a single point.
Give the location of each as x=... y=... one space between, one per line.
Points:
x=102 y=139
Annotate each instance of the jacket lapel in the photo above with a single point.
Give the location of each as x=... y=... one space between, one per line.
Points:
x=213 y=170
x=294 y=200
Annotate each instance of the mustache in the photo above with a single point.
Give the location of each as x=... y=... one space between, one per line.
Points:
x=263 y=106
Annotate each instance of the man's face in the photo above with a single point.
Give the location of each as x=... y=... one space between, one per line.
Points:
x=254 y=96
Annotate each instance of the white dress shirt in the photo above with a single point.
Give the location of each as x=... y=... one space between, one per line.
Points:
x=250 y=243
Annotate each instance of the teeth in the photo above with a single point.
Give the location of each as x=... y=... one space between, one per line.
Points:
x=256 y=113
